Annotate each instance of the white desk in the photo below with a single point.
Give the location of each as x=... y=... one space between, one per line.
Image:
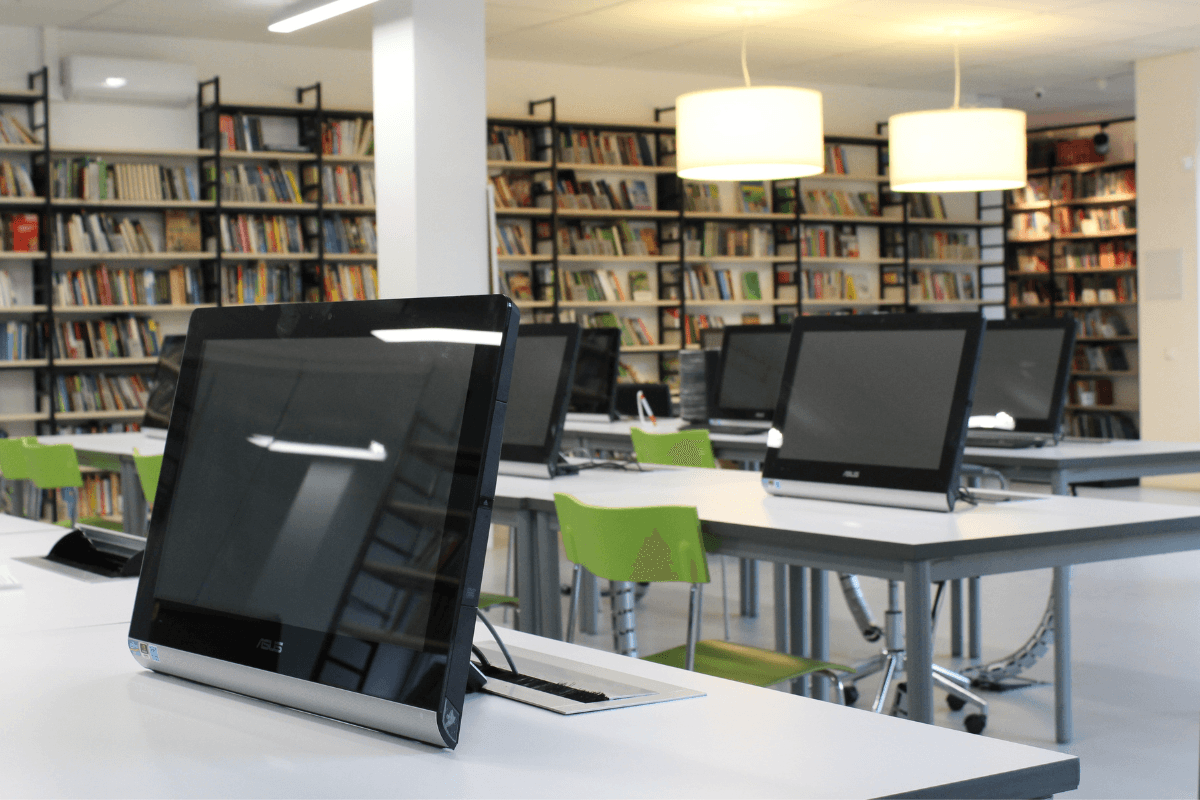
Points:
x=94 y=724
x=114 y=451
x=916 y=547
x=53 y=596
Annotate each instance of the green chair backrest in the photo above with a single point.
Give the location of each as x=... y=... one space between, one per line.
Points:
x=681 y=449
x=52 y=466
x=652 y=543
x=13 y=466
x=148 y=469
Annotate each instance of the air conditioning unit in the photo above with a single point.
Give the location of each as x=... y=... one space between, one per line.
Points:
x=128 y=80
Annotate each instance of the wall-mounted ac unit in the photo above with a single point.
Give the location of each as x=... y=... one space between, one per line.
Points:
x=128 y=80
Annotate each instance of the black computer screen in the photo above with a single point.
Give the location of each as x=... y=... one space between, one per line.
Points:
x=321 y=491
x=752 y=365
x=873 y=397
x=595 y=385
x=162 y=391
x=536 y=372
x=1019 y=373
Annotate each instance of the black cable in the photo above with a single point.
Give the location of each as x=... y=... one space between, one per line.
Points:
x=482 y=658
x=496 y=636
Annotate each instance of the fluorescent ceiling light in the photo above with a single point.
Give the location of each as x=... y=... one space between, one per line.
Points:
x=301 y=15
x=374 y=452
x=448 y=335
x=115 y=83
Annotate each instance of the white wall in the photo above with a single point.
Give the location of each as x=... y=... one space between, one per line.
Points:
x=1168 y=102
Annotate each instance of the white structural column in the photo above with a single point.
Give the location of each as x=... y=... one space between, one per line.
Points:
x=429 y=75
x=1168 y=107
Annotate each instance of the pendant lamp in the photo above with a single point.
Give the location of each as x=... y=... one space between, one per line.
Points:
x=957 y=149
x=750 y=133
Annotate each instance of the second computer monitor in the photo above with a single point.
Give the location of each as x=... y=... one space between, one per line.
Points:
x=751 y=369
x=1023 y=371
x=595 y=387
x=543 y=369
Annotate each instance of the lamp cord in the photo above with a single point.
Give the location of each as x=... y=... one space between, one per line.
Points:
x=957 y=74
x=745 y=35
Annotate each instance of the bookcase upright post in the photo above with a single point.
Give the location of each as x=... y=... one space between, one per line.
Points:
x=46 y=378
x=556 y=292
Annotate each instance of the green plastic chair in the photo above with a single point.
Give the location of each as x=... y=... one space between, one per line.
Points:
x=690 y=448
x=664 y=543
x=488 y=600
x=55 y=466
x=148 y=470
x=15 y=471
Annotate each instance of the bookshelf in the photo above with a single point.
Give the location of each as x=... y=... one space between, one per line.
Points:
x=590 y=213
x=104 y=249
x=1072 y=251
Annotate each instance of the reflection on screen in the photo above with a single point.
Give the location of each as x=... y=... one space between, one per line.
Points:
x=595 y=371
x=313 y=492
x=872 y=397
x=1017 y=372
x=753 y=370
x=537 y=367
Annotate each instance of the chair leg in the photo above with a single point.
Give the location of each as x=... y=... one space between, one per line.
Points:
x=837 y=680
x=624 y=623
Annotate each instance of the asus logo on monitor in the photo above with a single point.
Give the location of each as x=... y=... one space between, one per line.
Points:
x=267 y=644
x=850 y=473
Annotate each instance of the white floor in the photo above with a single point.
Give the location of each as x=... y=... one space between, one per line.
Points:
x=1136 y=649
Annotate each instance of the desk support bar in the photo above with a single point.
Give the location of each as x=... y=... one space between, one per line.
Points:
x=820 y=629
x=797 y=602
x=1062 y=654
x=918 y=641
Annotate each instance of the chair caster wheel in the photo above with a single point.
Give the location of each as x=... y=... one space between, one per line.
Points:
x=851 y=695
x=956 y=703
x=975 y=723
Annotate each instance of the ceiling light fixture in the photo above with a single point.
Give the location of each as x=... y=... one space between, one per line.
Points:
x=749 y=133
x=310 y=12
x=115 y=83
x=957 y=149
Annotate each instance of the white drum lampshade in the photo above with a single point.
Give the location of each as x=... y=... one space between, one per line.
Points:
x=751 y=133
x=957 y=150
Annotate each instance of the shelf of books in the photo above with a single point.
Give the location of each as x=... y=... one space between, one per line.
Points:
x=594 y=226
x=1072 y=251
x=105 y=250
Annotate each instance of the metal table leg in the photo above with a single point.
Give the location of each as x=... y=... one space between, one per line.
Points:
x=589 y=603
x=749 y=587
x=918 y=643
x=798 y=613
x=781 y=608
x=521 y=529
x=820 y=628
x=1062 y=655
x=975 y=612
x=956 y=618
x=133 y=501
x=550 y=594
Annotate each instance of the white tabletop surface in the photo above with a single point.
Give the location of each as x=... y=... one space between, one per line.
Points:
x=120 y=444
x=95 y=724
x=736 y=498
x=54 y=596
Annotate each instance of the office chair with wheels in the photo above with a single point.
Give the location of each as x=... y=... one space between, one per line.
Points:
x=664 y=543
x=55 y=466
x=14 y=470
x=690 y=448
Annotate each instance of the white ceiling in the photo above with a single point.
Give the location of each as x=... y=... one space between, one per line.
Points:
x=1080 y=53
